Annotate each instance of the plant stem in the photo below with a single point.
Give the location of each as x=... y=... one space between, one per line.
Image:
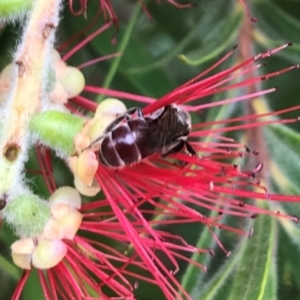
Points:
x=27 y=93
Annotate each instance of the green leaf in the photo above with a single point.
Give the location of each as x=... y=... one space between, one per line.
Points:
x=216 y=44
x=193 y=274
x=276 y=22
x=283 y=144
x=220 y=280
x=288 y=270
x=7 y=266
x=255 y=277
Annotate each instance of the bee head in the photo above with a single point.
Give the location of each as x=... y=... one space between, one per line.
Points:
x=183 y=117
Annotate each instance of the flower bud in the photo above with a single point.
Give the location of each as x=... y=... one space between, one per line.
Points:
x=67 y=195
x=86 y=167
x=21 y=253
x=59 y=210
x=70 y=223
x=99 y=126
x=83 y=189
x=48 y=253
x=110 y=106
x=72 y=81
x=52 y=230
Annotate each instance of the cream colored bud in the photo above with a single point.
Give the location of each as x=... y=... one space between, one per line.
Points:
x=86 y=167
x=83 y=189
x=67 y=195
x=58 y=210
x=110 y=106
x=70 y=224
x=72 y=163
x=72 y=81
x=24 y=246
x=81 y=142
x=48 y=253
x=22 y=260
x=52 y=230
x=99 y=127
x=21 y=253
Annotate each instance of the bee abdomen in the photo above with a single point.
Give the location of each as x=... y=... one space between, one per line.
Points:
x=119 y=148
x=139 y=129
x=125 y=144
x=108 y=154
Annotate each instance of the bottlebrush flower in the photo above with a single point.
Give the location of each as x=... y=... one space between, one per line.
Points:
x=107 y=247
x=143 y=198
x=72 y=266
x=156 y=192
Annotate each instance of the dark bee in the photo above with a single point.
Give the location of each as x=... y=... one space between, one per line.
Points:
x=130 y=139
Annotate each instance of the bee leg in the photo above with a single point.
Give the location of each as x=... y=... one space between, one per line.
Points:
x=190 y=149
x=176 y=148
x=140 y=113
x=130 y=112
x=95 y=142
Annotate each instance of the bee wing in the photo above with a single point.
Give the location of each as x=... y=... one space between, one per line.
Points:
x=156 y=137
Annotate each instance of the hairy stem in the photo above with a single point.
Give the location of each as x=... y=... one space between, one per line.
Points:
x=255 y=135
x=27 y=92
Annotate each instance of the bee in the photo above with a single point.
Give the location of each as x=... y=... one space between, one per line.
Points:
x=129 y=139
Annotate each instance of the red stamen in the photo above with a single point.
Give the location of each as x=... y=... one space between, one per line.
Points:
x=86 y=40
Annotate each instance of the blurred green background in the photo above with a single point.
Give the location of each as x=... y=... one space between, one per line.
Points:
x=267 y=266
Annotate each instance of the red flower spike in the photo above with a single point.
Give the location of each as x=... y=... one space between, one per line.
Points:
x=204 y=182
x=200 y=182
x=71 y=278
x=45 y=162
x=80 y=33
x=83 y=42
x=195 y=89
x=145 y=253
x=18 y=290
x=99 y=59
x=144 y=240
